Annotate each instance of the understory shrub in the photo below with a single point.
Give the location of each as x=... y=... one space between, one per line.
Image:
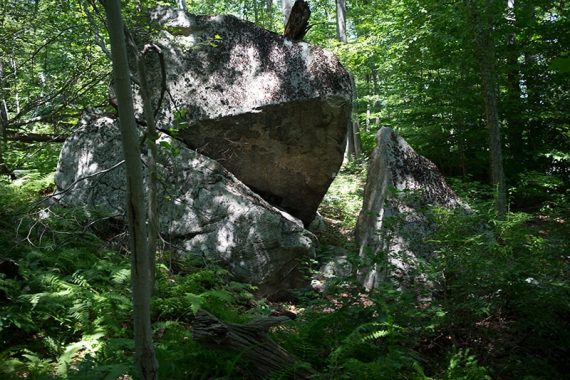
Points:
x=498 y=308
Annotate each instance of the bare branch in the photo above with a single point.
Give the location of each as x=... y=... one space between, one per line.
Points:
x=98 y=39
x=83 y=179
x=54 y=116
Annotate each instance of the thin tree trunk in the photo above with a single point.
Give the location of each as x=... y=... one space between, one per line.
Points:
x=341 y=20
x=151 y=137
x=3 y=167
x=3 y=121
x=181 y=4
x=269 y=13
x=17 y=94
x=489 y=83
x=356 y=138
x=354 y=147
x=482 y=22
x=515 y=124
x=349 y=141
x=287 y=6
x=141 y=271
x=368 y=117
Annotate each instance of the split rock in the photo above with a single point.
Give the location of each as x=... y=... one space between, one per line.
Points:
x=272 y=111
x=204 y=209
x=392 y=224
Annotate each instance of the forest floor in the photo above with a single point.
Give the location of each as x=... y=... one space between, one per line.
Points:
x=500 y=310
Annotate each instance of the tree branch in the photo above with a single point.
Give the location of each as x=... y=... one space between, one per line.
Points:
x=98 y=39
x=67 y=189
x=35 y=137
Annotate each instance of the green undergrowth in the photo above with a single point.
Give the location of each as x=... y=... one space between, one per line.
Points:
x=343 y=201
x=65 y=300
x=498 y=308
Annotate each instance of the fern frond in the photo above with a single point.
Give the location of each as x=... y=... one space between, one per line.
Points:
x=121 y=276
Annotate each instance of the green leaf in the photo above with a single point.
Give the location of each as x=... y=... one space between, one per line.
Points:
x=561 y=64
x=196 y=301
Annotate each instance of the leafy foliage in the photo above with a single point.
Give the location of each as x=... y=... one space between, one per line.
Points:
x=66 y=303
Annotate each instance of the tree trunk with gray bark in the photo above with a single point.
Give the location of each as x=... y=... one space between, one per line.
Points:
x=141 y=269
x=286 y=8
x=341 y=20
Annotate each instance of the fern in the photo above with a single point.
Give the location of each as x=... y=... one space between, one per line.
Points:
x=75 y=352
x=121 y=276
x=364 y=339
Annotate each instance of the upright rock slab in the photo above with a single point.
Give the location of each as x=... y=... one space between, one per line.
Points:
x=392 y=223
x=271 y=111
x=204 y=209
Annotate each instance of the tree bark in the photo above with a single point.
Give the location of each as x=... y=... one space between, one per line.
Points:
x=141 y=271
x=482 y=21
x=341 y=20
x=350 y=152
x=181 y=4
x=354 y=145
x=151 y=137
x=3 y=121
x=16 y=94
x=515 y=123
x=298 y=22
x=368 y=117
x=356 y=137
x=287 y=5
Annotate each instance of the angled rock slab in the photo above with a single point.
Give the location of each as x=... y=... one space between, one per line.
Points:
x=204 y=209
x=272 y=111
x=392 y=224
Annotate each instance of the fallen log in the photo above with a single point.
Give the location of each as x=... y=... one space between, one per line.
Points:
x=252 y=340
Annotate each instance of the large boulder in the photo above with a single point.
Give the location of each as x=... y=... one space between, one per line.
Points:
x=272 y=111
x=204 y=209
x=392 y=224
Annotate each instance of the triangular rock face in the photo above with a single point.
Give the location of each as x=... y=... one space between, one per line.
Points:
x=204 y=210
x=392 y=223
x=272 y=111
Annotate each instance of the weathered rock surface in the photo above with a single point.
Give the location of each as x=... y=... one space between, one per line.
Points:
x=271 y=111
x=204 y=209
x=392 y=223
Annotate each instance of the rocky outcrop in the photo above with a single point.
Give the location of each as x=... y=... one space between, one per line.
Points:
x=204 y=209
x=272 y=111
x=392 y=224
